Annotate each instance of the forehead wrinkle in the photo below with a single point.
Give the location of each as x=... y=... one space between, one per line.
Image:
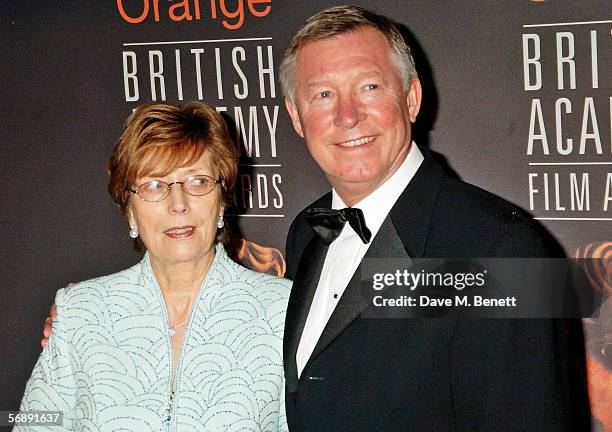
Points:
x=178 y=171
x=359 y=75
x=370 y=74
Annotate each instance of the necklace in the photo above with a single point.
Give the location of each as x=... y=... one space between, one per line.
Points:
x=174 y=327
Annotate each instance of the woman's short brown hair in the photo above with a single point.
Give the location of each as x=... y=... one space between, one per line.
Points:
x=160 y=137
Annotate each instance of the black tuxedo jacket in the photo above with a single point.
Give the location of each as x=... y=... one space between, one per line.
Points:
x=442 y=374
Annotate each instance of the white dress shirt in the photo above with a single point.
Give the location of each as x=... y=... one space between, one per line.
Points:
x=346 y=252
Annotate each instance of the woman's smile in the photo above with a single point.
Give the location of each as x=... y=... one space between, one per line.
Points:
x=180 y=232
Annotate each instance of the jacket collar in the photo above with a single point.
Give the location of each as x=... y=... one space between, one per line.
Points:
x=412 y=213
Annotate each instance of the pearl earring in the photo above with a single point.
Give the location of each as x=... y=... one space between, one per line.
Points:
x=220 y=222
x=133 y=231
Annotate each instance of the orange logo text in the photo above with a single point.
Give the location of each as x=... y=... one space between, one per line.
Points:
x=232 y=18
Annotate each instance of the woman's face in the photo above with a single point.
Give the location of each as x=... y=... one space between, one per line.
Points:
x=180 y=228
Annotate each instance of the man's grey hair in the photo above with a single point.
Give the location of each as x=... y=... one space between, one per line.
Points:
x=338 y=20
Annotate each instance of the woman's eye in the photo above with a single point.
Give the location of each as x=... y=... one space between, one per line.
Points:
x=154 y=185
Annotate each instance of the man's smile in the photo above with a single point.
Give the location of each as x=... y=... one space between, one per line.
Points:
x=357 y=142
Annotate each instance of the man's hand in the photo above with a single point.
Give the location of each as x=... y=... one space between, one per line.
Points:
x=48 y=325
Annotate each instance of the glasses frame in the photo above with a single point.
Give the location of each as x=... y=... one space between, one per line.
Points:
x=182 y=183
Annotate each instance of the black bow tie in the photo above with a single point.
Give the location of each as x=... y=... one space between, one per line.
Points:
x=328 y=223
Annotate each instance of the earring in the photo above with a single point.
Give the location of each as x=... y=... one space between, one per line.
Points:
x=133 y=231
x=220 y=222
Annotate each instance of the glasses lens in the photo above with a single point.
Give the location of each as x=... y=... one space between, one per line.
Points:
x=152 y=191
x=199 y=185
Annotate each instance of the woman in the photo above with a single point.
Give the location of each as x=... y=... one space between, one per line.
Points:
x=186 y=339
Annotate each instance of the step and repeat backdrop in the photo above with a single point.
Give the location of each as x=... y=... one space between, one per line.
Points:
x=516 y=100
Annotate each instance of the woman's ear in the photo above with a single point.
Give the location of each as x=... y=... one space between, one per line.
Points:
x=129 y=214
x=221 y=209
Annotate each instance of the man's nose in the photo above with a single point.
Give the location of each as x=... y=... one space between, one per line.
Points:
x=178 y=201
x=348 y=112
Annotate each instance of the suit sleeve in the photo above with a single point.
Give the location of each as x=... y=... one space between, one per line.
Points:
x=52 y=385
x=518 y=374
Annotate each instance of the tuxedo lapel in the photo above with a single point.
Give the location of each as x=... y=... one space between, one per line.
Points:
x=412 y=213
x=302 y=293
x=386 y=244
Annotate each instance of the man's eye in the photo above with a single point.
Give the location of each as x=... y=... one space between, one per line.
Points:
x=324 y=94
x=372 y=86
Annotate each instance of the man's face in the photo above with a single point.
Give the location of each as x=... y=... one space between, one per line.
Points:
x=351 y=109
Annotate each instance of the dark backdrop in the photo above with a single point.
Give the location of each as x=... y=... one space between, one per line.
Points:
x=64 y=71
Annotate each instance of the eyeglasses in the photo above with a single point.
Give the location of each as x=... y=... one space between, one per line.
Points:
x=157 y=190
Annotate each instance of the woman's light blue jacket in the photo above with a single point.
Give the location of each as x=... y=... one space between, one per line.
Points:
x=108 y=363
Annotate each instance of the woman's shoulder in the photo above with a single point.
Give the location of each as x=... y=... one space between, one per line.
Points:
x=263 y=279
x=231 y=271
x=257 y=282
x=99 y=288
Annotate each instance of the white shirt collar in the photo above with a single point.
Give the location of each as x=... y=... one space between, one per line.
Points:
x=378 y=204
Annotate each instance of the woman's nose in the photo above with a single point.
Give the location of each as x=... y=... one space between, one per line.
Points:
x=178 y=201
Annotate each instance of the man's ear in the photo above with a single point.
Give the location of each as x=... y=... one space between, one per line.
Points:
x=295 y=116
x=413 y=99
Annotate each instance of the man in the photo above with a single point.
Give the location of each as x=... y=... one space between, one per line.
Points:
x=352 y=93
